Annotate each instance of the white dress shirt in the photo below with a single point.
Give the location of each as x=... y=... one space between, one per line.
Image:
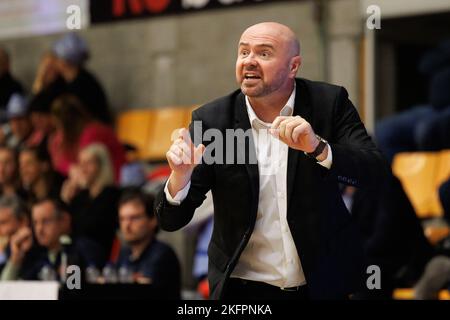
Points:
x=270 y=255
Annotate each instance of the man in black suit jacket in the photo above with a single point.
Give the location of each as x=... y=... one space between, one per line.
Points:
x=281 y=229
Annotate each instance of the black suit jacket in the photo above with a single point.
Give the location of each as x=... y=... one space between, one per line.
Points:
x=325 y=235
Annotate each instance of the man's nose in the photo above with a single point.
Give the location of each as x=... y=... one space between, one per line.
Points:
x=250 y=61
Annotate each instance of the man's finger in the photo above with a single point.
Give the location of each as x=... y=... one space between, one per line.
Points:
x=283 y=124
x=289 y=128
x=172 y=157
x=277 y=121
x=298 y=131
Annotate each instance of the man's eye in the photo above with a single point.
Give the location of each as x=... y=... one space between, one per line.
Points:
x=265 y=54
x=244 y=53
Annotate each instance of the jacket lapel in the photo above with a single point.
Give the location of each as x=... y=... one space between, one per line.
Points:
x=242 y=122
x=302 y=108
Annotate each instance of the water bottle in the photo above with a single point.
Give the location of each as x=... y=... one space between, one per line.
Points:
x=109 y=273
x=47 y=273
x=125 y=274
x=65 y=242
x=92 y=274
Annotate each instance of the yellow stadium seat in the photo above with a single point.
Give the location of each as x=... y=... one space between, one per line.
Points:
x=403 y=294
x=150 y=130
x=408 y=294
x=164 y=123
x=421 y=174
x=133 y=127
x=188 y=115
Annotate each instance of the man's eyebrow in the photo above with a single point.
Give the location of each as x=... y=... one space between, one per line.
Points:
x=267 y=45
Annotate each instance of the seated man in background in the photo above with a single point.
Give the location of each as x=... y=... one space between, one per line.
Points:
x=38 y=178
x=144 y=254
x=20 y=128
x=50 y=221
x=13 y=216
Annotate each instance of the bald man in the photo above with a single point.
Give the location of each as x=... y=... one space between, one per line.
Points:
x=281 y=229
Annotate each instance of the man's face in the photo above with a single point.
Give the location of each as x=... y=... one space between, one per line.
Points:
x=134 y=223
x=47 y=226
x=264 y=61
x=30 y=168
x=9 y=224
x=20 y=127
x=7 y=166
x=89 y=168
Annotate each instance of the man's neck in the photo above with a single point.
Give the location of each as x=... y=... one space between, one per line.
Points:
x=138 y=248
x=267 y=108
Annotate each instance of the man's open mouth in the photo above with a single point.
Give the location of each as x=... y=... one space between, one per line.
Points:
x=249 y=76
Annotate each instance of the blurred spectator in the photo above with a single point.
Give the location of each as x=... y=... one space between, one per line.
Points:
x=41 y=118
x=144 y=254
x=427 y=127
x=92 y=196
x=38 y=178
x=71 y=53
x=9 y=173
x=76 y=129
x=19 y=122
x=392 y=236
x=47 y=75
x=8 y=85
x=435 y=278
x=50 y=222
x=47 y=86
x=13 y=216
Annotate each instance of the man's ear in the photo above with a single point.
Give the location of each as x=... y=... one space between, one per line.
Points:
x=294 y=65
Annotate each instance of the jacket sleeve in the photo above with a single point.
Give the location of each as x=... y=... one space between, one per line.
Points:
x=174 y=217
x=356 y=159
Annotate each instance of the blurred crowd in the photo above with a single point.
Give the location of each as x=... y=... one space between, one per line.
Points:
x=68 y=195
x=63 y=199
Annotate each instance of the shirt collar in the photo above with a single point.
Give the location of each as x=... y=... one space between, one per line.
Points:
x=257 y=123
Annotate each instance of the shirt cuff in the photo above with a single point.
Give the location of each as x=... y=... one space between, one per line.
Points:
x=329 y=160
x=179 y=197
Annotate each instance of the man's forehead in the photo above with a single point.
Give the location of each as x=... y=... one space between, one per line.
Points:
x=268 y=39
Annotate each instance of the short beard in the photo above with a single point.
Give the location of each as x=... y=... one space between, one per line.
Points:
x=260 y=93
